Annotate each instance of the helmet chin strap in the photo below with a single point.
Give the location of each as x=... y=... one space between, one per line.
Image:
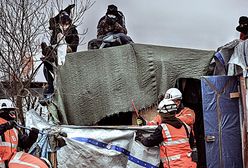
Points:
x=12 y=114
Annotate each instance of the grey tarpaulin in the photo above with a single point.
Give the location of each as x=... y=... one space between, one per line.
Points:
x=95 y=146
x=105 y=148
x=97 y=83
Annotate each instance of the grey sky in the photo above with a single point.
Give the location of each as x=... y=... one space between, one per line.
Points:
x=201 y=24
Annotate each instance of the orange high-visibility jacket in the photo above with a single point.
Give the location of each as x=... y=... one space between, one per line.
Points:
x=25 y=160
x=186 y=115
x=175 y=150
x=8 y=143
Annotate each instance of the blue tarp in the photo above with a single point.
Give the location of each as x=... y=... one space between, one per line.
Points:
x=221 y=122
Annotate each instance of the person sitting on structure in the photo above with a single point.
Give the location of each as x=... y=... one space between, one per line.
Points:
x=113 y=23
x=12 y=138
x=243 y=27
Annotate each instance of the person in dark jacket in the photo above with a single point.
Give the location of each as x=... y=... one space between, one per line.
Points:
x=11 y=137
x=62 y=30
x=113 y=22
x=65 y=28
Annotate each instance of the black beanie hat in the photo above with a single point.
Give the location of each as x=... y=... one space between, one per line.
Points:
x=64 y=17
x=243 y=25
x=112 y=9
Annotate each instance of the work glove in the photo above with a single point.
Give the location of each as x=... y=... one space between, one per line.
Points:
x=139 y=136
x=140 y=121
x=10 y=124
x=34 y=133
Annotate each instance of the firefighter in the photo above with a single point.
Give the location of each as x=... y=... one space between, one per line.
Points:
x=185 y=114
x=172 y=138
x=11 y=138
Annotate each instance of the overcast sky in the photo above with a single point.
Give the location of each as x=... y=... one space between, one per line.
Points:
x=200 y=24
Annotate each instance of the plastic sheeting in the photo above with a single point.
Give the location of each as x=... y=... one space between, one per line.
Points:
x=98 y=147
x=104 y=148
x=239 y=58
x=221 y=122
x=98 y=83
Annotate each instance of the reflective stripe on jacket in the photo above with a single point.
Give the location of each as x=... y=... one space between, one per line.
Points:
x=186 y=115
x=25 y=160
x=175 y=149
x=8 y=143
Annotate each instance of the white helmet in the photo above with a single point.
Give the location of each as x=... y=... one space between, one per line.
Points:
x=173 y=94
x=166 y=106
x=6 y=104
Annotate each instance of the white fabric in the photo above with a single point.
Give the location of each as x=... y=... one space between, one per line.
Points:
x=62 y=47
x=239 y=57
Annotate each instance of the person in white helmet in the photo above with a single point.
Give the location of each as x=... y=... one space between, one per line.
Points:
x=172 y=136
x=185 y=114
x=12 y=138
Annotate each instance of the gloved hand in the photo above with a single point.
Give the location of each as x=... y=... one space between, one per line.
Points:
x=141 y=121
x=34 y=133
x=139 y=136
x=10 y=124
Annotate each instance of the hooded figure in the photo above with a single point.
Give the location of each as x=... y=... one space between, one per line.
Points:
x=65 y=29
x=243 y=27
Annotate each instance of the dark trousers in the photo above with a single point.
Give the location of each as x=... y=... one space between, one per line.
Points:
x=48 y=73
x=124 y=38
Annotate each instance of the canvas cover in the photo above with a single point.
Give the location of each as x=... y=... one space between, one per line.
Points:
x=221 y=122
x=97 y=83
x=98 y=147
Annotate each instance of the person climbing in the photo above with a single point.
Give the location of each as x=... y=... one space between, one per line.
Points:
x=64 y=40
x=49 y=61
x=64 y=28
x=172 y=136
